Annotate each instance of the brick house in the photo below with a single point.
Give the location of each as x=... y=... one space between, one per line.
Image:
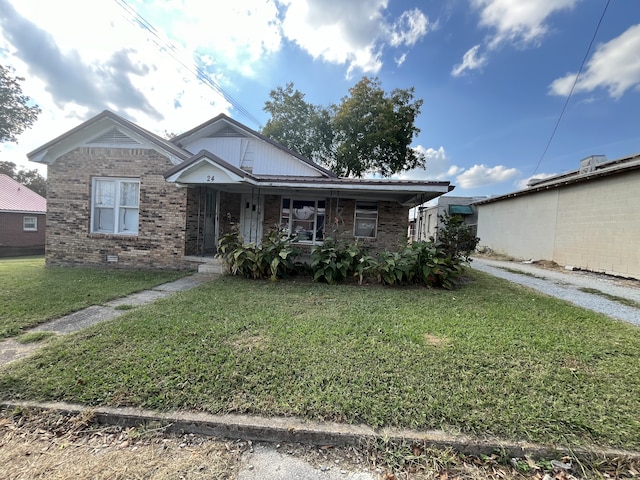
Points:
x=22 y=219
x=120 y=195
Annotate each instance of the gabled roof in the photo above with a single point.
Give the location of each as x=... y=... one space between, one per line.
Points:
x=203 y=157
x=16 y=198
x=613 y=167
x=97 y=127
x=221 y=121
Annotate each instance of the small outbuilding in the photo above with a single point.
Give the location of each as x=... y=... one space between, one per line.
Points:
x=22 y=219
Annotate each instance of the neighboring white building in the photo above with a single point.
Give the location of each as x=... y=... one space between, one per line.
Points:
x=588 y=218
x=428 y=217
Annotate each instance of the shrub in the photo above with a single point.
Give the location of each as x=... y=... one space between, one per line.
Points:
x=427 y=263
x=456 y=237
x=330 y=262
x=274 y=258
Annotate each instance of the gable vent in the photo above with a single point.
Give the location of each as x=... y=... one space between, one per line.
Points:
x=227 y=131
x=114 y=137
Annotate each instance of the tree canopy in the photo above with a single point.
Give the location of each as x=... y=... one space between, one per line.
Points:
x=29 y=178
x=16 y=115
x=370 y=131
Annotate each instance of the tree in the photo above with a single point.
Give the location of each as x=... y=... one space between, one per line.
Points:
x=15 y=113
x=29 y=178
x=370 y=131
x=300 y=126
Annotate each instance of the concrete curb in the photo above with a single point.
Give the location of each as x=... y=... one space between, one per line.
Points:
x=296 y=430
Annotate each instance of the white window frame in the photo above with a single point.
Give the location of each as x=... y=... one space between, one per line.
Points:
x=32 y=220
x=287 y=221
x=119 y=209
x=365 y=211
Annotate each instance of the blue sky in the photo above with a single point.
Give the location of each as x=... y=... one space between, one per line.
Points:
x=494 y=74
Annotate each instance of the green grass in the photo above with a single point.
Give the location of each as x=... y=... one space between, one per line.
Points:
x=624 y=301
x=491 y=358
x=30 y=293
x=33 y=337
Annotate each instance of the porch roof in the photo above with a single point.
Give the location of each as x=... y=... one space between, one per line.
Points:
x=207 y=169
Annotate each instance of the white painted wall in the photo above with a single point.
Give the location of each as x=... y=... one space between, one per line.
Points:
x=522 y=227
x=593 y=225
x=599 y=226
x=262 y=157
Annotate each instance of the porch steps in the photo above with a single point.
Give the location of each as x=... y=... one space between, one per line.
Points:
x=208 y=264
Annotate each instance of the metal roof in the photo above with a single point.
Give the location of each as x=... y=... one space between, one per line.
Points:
x=613 y=167
x=16 y=198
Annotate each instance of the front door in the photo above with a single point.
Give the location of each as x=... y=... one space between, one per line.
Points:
x=210 y=215
x=251 y=218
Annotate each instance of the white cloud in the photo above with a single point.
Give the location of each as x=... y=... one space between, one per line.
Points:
x=615 y=66
x=438 y=166
x=237 y=35
x=76 y=69
x=409 y=28
x=521 y=22
x=351 y=33
x=524 y=182
x=483 y=175
x=470 y=61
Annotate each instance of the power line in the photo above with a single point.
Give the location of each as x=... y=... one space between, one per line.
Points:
x=575 y=81
x=168 y=47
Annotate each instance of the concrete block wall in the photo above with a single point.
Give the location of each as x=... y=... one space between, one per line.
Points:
x=599 y=225
x=522 y=227
x=160 y=241
x=594 y=225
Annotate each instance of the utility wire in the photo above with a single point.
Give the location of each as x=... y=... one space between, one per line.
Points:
x=575 y=81
x=201 y=74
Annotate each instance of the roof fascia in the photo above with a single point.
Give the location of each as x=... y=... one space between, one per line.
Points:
x=40 y=154
x=564 y=180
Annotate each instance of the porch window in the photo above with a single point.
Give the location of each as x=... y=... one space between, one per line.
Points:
x=30 y=224
x=366 y=220
x=303 y=219
x=115 y=203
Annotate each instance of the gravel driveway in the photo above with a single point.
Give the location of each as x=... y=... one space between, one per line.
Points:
x=569 y=285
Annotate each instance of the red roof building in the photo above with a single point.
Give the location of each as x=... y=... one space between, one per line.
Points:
x=22 y=219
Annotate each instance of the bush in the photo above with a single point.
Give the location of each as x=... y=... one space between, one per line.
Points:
x=456 y=237
x=426 y=263
x=273 y=259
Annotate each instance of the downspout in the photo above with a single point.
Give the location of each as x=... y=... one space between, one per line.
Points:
x=198 y=229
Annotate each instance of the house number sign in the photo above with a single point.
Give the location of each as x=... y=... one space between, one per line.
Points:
x=211 y=178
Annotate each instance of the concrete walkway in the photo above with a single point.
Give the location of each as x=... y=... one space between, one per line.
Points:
x=11 y=350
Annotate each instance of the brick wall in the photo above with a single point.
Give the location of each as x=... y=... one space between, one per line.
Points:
x=12 y=233
x=160 y=241
x=393 y=220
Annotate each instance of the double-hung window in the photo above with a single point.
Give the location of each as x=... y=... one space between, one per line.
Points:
x=365 y=224
x=303 y=219
x=30 y=224
x=114 y=206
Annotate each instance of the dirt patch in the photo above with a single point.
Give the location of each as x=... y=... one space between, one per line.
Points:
x=55 y=446
x=248 y=342
x=436 y=341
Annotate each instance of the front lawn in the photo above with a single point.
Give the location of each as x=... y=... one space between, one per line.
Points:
x=490 y=358
x=30 y=293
